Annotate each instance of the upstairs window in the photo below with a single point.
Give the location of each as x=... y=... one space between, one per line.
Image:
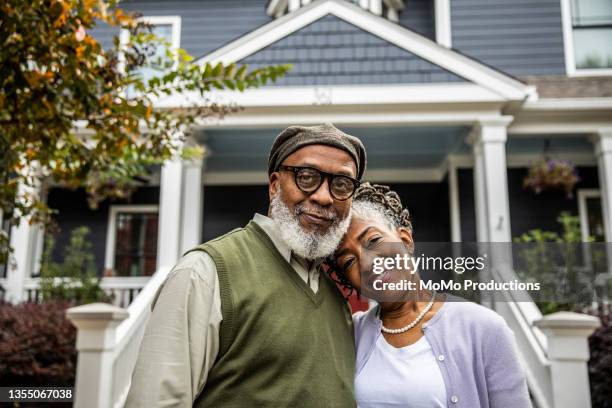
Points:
x=591 y=37
x=387 y=8
x=166 y=28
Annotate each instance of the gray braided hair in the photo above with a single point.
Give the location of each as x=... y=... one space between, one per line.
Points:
x=382 y=199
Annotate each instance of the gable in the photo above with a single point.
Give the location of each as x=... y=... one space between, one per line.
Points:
x=331 y=51
x=420 y=50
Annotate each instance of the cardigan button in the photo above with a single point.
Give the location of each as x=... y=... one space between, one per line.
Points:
x=454 y=399
x=441 y=357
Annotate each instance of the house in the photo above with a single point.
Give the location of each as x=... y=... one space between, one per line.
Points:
x=453 y=99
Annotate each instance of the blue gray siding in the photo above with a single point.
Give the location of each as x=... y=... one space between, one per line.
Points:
x=332 y=51
x=205 y=24
x=418 y=16
x=519 y=37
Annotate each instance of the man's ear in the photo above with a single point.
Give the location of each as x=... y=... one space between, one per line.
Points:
x=273 y=184
x=406 y=237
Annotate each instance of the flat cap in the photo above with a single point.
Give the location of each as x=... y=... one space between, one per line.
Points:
x=295 y=137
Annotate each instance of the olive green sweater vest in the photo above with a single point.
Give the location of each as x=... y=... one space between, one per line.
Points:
x=281 y=345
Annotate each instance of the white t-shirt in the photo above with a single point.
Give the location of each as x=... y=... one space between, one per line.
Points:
x=401 y=377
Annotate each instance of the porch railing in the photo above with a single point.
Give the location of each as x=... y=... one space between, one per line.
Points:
x=122 y=290
x=108 y=340
x=554 y=349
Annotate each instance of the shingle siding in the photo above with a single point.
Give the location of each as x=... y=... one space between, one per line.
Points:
x=520 y=37
x=332 y=51
x=418 y=15
x=205 y=24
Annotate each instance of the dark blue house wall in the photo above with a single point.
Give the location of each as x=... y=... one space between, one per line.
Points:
x=205 y=24
x=519 y=37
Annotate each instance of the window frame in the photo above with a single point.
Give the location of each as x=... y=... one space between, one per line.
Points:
x=568 y=45
x=111 y=229
x=583 y=195
x=173 y=20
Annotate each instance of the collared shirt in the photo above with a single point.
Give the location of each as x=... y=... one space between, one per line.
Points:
x=181 y=341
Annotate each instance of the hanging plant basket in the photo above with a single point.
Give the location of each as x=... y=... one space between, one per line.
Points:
x=549 y=174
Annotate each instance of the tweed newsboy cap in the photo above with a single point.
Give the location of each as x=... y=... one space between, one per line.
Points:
x=295 y=137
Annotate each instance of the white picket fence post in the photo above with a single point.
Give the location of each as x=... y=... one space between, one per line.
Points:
x=568 y=352
x=96 y=325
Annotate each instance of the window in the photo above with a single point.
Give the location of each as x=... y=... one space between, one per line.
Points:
x=167 y=28
x=131 y=244
x=591 y=216
x=389 y=8
x=588 y=36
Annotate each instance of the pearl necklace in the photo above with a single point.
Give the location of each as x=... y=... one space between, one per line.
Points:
x=414 y=322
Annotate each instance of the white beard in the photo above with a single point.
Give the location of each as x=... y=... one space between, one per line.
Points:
x=308 y=245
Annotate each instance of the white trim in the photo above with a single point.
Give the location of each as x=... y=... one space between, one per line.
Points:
x=111 y=228
x=443 y=23
x=355 y=118
x=568 y=46
x=174 y=21
x=276 y=8
x=583 y=194
x=454 y=201
x=415 y=94
x=450 y=60
x=568 y=104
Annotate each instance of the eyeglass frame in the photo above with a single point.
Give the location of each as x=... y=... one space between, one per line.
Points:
x=324 y=175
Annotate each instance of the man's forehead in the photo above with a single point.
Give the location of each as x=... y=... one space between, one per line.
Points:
x=322 y=157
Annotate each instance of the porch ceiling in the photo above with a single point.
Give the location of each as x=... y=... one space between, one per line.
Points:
x=233 y=150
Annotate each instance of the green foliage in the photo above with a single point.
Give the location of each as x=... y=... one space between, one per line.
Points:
x=74 y=279
x=553 y=259
x=75 y=114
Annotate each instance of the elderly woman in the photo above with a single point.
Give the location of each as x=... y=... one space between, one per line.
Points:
x=421 y=349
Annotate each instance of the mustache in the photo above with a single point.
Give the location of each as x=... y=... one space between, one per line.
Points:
x=327 y=213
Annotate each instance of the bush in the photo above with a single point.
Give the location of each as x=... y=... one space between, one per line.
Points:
x=74 y=279
x=600 y=364
x=37 y=345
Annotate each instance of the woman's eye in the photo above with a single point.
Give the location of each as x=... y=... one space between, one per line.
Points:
x=374 y=240
x=347 y=264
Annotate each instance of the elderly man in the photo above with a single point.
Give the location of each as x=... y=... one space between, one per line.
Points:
x=247 y=320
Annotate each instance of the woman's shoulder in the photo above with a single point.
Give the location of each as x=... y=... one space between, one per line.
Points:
x=472 y=315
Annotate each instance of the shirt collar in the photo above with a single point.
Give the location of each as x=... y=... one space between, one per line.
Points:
x=271 y=229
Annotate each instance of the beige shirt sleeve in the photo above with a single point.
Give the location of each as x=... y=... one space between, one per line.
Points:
x=181 y=341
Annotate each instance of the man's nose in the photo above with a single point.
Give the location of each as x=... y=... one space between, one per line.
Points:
x=322 y=196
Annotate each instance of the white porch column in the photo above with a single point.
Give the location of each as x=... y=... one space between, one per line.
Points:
x=568 y=351
x=25 y=241
x=453 y=192
x=192 y=204
x=490 y=180
x=603 y=151
x=170 y=220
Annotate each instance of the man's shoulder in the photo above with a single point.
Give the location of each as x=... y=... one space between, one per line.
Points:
x=195 y=264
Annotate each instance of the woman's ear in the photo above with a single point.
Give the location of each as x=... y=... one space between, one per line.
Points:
x=406 y=237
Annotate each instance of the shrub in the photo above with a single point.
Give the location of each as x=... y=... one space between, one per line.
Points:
x=37 y=345
x=75 y=278
x=600 y=364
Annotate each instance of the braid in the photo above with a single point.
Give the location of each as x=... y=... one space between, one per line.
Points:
x=388 y=199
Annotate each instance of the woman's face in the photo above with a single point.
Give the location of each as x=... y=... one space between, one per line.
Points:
x=365 y=240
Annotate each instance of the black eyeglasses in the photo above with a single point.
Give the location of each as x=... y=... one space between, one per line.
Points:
x=309 y=179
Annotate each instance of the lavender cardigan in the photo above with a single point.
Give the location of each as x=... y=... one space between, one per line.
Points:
x=475 y=350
